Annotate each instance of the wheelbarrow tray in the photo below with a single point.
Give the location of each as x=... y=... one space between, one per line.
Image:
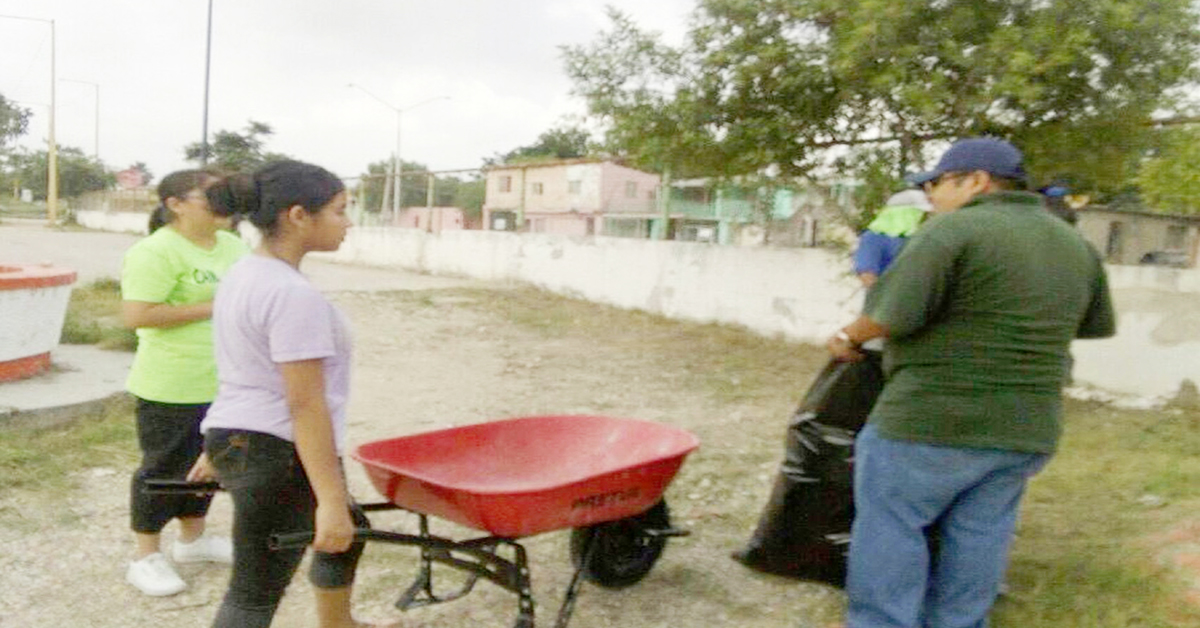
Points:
x=523 y=476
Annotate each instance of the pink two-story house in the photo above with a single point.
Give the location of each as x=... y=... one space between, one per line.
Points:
x=570 y=197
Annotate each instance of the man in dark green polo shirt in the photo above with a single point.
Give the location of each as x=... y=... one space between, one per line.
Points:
x=979 y=311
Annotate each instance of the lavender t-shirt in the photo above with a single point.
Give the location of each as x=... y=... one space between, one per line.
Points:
x=266 y=313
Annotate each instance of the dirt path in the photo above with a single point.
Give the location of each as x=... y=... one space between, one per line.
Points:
x=434 y=358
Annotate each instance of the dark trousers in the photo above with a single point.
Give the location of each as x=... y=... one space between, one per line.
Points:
x=271 y=495
x=170 y=440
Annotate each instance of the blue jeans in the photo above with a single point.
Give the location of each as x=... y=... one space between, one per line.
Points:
x=905 y=490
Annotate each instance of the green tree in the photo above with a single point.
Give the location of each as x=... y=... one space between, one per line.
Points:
x=77 y=173
x=468 y=195
x=147 y=176
x=1170 y=180
x=413 y=188
x=14 y=121
x=770 y=85
x=643 y=94
x=562 y=142
x=236 y=152
x=873 y=169
x=373 y=181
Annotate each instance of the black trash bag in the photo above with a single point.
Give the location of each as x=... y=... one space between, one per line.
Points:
x=804 y=531
x=843 y=393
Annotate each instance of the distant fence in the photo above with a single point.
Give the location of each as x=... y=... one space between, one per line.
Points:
x=140 y=200
x=802 y=294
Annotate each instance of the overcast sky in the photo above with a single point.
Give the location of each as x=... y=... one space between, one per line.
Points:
x=288 y=63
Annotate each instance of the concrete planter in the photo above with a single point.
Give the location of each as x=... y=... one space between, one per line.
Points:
x=33 y=306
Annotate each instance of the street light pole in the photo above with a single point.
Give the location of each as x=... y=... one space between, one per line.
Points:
x=397 y=165
x=52 y=166
x=96 y=87
x=397 y=168
x=207 y=63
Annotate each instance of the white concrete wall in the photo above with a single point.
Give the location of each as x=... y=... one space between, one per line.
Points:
x=120 y=222
x=802 y=294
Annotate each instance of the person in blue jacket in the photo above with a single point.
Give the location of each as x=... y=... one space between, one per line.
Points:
x=882 y=240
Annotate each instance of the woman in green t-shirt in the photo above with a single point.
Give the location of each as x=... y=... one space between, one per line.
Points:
x=167 y=284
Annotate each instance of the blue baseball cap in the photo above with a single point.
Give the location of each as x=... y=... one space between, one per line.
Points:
x=991 y=155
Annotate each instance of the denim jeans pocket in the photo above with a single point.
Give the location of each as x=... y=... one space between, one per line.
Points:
x=242 y=458
x=228 y=451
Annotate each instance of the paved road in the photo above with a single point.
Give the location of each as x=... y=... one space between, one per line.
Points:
x=84 y=375
x=97 y=254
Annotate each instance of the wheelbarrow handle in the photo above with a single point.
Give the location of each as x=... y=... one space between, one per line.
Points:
x=293 y=540
x=176 y=487
x=290 y=540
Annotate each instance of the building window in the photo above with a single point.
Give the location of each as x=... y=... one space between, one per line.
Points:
x=1176 y=238
x=574 y=187
x=536 y=188
x=506 y=183
x=631 y=189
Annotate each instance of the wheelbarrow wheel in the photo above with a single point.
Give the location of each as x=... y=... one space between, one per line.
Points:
x=619 y=553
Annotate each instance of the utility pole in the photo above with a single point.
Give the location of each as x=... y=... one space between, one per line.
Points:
x=52 y=175
x=397 y=166
x=207 y=65
x=52 y=153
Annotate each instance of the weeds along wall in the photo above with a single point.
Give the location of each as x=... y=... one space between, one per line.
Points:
x=797 y=293
x=800 y=294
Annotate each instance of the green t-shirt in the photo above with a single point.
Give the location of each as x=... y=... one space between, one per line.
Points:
x=176 y=364
x=981 y=307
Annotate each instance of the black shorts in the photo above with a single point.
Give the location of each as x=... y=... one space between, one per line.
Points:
x=169 y=436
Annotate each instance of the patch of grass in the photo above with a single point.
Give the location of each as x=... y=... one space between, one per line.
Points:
x=94 y=317
x=47 y=460
x=1082 y=558
x=15 y=208
x=728 y=363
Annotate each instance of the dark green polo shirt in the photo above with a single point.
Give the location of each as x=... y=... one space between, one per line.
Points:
x=981 y=307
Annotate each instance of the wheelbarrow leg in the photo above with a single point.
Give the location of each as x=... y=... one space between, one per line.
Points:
x=482 y=561
x=568 y=603
x=420 y=592
x=524 y=590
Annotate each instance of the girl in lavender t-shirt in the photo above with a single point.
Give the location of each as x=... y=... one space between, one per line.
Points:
x=274 y=434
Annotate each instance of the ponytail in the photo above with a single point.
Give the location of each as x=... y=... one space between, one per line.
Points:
x=235 y=195
x=273 y=189
x=159 y=218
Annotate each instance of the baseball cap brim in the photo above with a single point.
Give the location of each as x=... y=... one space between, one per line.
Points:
x=921 y=178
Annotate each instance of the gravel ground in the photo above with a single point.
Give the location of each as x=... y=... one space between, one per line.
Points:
x=428 y=360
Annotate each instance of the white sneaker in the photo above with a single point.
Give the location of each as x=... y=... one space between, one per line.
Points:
x=206 y=549
x=153 y=575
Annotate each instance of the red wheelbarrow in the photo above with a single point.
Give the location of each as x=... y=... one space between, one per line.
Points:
x=602 y=477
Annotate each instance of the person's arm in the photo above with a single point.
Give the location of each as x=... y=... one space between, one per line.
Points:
x=906 y=296
x=148 y=278
x=304 y=382
x=868 y=258
x=136 y=314
x=868 y=278
x=844 y=345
